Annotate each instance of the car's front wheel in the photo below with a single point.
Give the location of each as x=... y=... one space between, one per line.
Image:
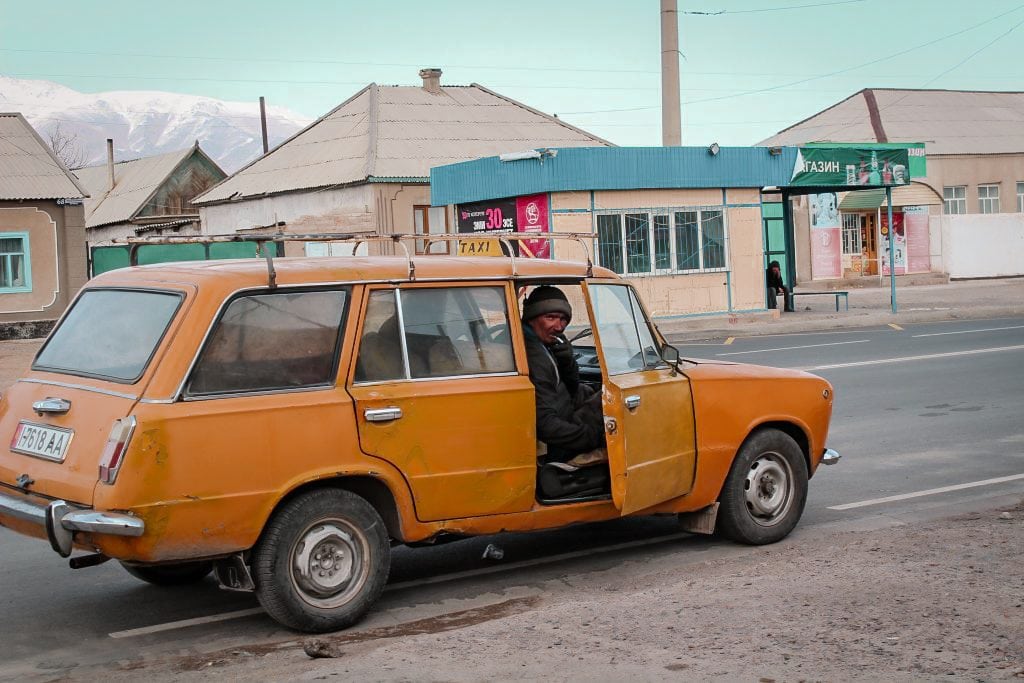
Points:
x=765 y=492
x=322 y=561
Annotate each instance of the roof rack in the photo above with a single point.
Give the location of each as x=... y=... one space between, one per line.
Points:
x=358 y=238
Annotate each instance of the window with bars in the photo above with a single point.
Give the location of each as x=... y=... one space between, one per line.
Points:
x=14 y=263
x=954 y=199
x=851 y=235
x=660 y=242
x=988 y=198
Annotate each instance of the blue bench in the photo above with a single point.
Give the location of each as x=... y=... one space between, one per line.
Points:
x=835 y=293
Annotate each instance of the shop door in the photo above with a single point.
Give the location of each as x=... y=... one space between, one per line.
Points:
x=868 y=228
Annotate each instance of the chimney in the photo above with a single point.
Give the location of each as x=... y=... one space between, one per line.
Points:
x=431 y=80
x=110 y=162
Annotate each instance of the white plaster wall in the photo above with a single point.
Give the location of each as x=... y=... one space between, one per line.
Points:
x=976 y=245
x=334 y=210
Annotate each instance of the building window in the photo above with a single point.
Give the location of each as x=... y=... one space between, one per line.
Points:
x=851 y=235
x=15 y=265
x=988 y=198
x=1020 y=197
x=430 y=220
x=683 y=241
x=955 y=199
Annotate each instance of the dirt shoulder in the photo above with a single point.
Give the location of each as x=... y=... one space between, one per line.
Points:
x=941 y=600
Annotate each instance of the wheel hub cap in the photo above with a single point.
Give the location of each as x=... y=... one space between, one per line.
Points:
x=767 y=489
x=324 y=560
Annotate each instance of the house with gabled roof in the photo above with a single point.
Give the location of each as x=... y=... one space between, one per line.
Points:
x=365 y=165
x=42 y=231
x=147 y=196
x=971 y=200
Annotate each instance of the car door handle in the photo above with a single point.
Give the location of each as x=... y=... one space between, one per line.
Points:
x=632 y=402
x=382 y=414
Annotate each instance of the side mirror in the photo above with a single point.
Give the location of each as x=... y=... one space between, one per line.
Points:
x=670 y=354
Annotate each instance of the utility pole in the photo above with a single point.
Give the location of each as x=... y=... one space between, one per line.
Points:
x=671 y=116
x=263 y=123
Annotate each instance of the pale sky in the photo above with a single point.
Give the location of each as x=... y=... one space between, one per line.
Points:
x=594 y=63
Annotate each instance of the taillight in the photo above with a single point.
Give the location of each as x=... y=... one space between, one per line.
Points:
x=113 y=452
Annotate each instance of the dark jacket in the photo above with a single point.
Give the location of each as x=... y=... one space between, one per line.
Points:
x=774 y=279
x=569 y=416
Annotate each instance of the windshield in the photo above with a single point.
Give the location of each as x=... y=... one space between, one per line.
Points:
x=109 y=333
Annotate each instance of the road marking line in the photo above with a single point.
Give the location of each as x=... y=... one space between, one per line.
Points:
x=790 y=348
x=929 y=492
x=454 y=576
x=184 y=623
x=729 y=341
x=987 y=329
x=895 y=327
x=882 y=361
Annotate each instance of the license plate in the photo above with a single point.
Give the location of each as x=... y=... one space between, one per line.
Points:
x=41 y=441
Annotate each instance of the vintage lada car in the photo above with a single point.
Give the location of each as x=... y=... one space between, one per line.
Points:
x=284 y=422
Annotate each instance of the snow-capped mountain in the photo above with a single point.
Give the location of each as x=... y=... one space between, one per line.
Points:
x=143 y=123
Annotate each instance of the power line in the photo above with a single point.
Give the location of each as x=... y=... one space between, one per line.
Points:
x=813 y=78
x=249 y=60
x=773 y=9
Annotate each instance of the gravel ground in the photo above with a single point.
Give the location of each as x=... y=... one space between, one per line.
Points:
x=941 y=600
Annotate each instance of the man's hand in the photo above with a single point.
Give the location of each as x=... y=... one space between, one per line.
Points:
x=562 y=351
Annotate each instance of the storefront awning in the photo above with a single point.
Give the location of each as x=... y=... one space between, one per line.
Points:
x=914 y=194
x=863 y=200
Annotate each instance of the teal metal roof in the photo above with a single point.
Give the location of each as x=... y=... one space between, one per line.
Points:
x=611 y=168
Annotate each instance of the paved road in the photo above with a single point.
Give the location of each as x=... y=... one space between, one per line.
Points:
x=926 y=407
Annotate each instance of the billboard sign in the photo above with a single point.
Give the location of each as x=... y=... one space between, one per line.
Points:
x=527 y=214
x=851 y=167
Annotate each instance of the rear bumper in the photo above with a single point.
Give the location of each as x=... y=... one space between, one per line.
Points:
x=830 y=457
x=61 y=520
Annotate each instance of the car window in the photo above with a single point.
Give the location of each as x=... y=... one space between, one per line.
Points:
x=268 y=341
x=109 y=333
x=439 y=332
x=626 y=340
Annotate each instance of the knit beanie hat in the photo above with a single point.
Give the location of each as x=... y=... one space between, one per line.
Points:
x=546 y=299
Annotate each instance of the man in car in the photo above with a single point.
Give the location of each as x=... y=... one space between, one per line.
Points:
x=569 y=416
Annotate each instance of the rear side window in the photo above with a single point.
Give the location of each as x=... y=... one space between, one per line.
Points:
x=109 y=333
x=272 y=341
x=442 y=332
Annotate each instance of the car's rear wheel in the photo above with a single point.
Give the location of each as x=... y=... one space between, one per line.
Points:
x=765 y=492
x=179 y=574
x=322 y=561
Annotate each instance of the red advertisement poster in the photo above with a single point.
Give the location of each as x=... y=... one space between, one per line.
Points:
x=532 y=216
x=915 y=221
x=900 y=245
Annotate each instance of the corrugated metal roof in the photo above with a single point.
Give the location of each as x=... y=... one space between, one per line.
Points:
x=611 y=168
x=949 y=121
x=398 y=131
x=134 y=183
x=28 y=167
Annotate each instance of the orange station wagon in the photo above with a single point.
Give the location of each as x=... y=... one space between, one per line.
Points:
x=283 y=423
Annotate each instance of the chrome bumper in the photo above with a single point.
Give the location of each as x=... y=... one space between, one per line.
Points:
x=830 y=457
x=61 y=520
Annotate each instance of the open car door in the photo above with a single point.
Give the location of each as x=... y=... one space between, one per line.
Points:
x=648 y=405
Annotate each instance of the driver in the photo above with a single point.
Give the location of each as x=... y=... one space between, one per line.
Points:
x=569 y=417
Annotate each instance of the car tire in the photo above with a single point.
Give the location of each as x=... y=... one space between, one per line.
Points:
x=180 y=574
x=322 y=561
x=765 y=492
